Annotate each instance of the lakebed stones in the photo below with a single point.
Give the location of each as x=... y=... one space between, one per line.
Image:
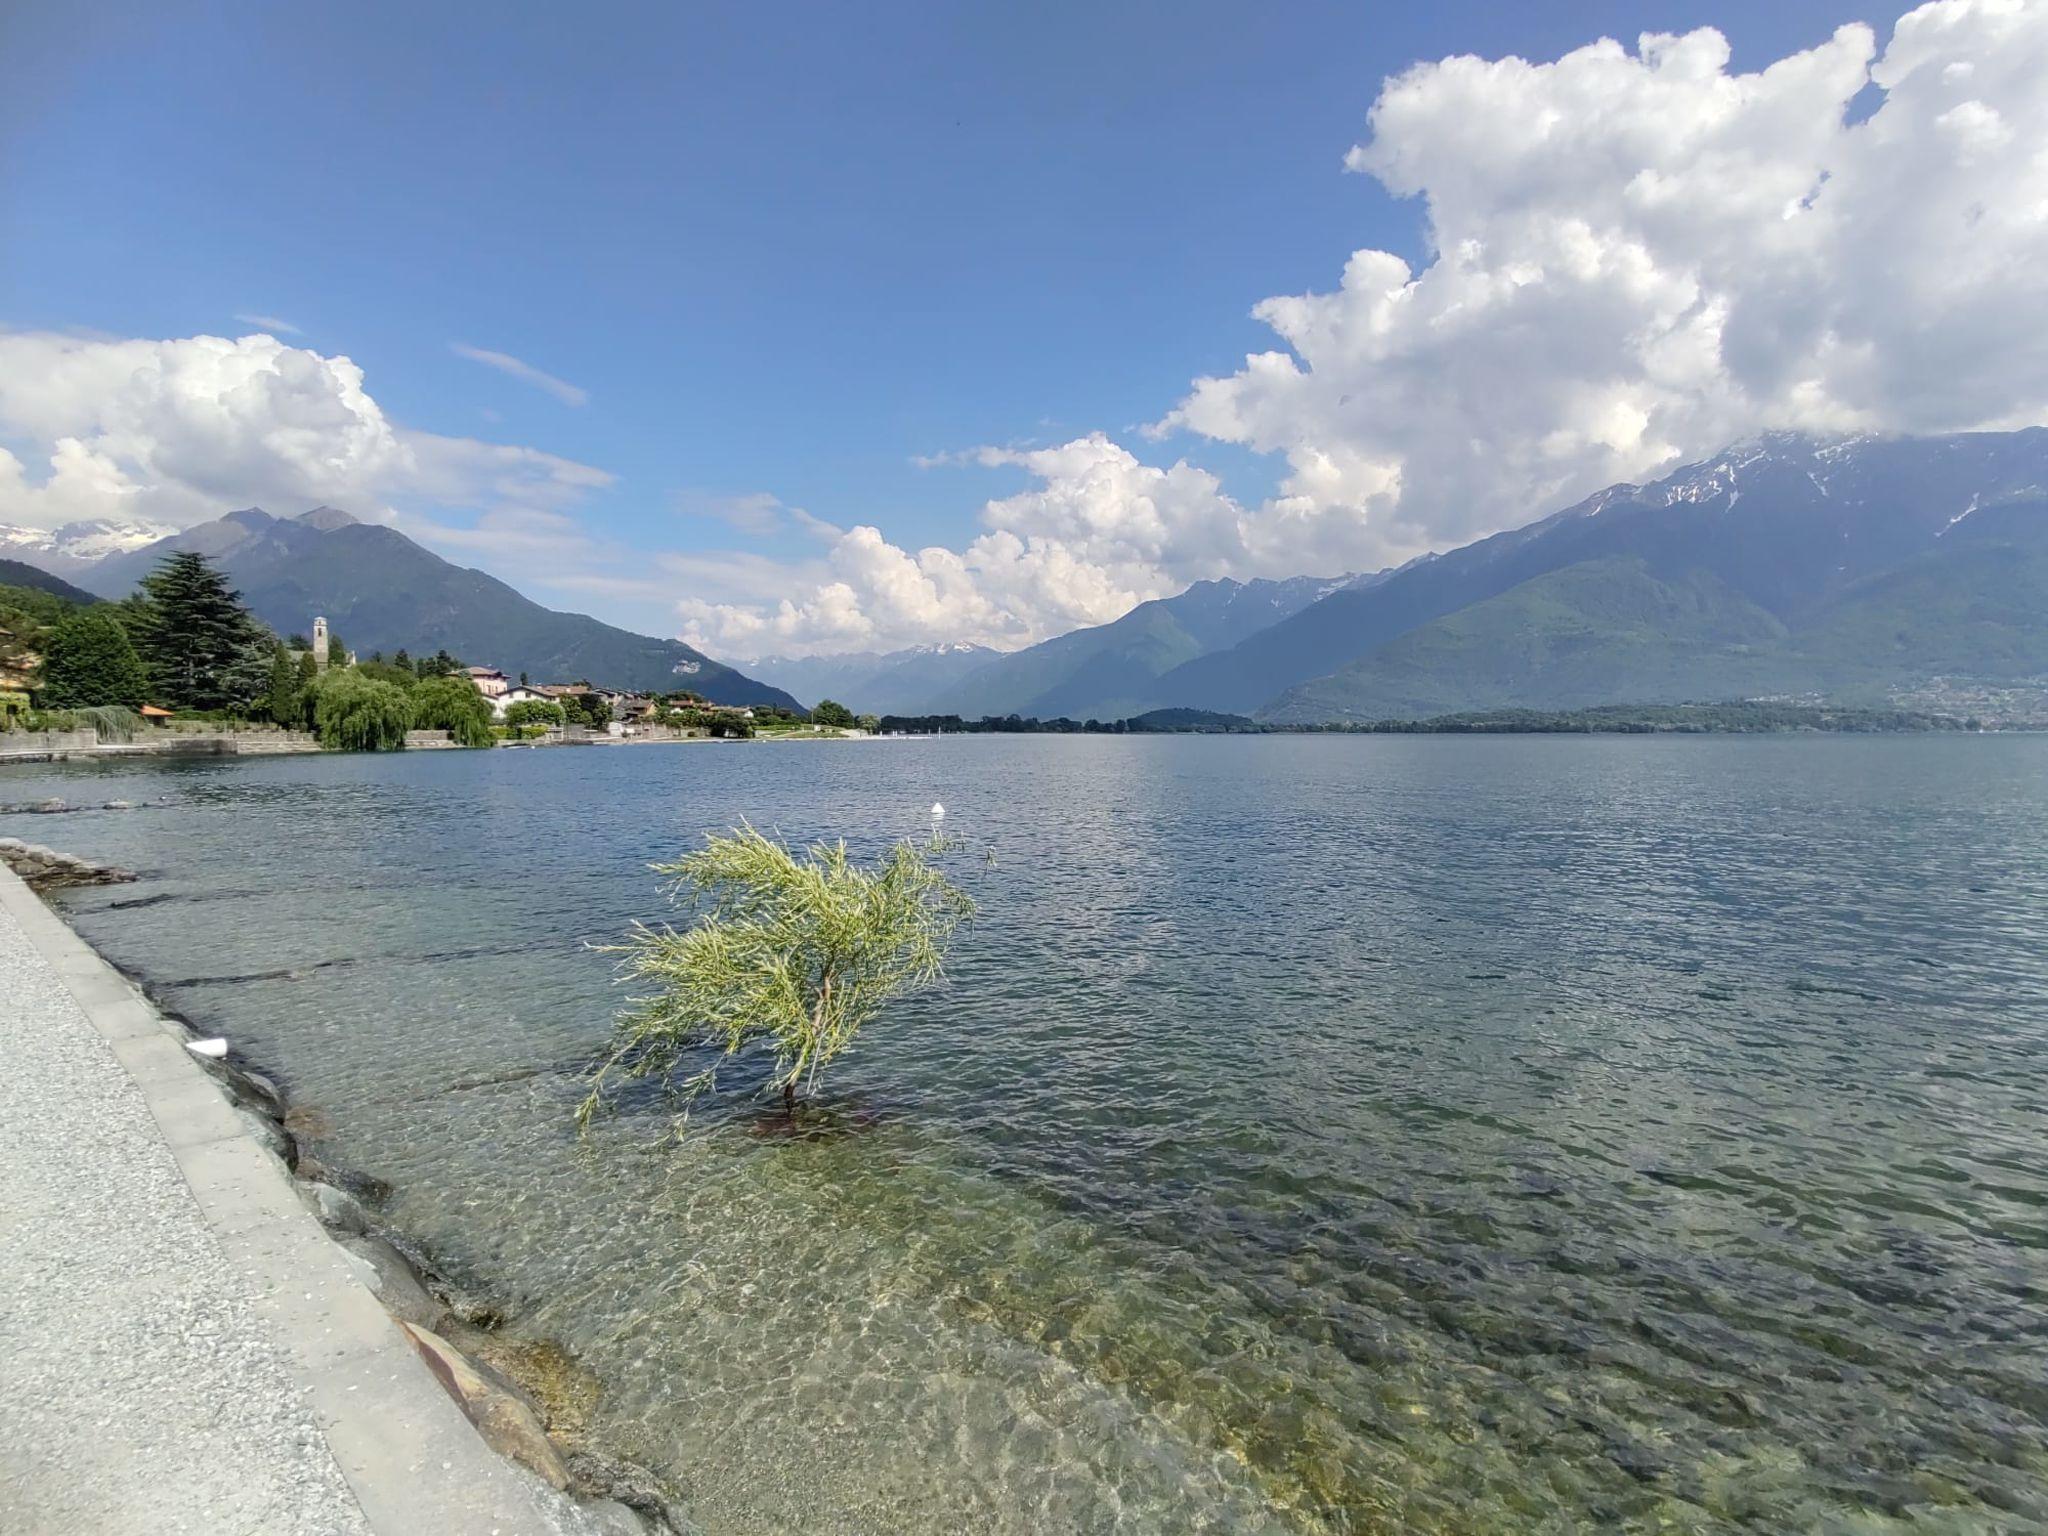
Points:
x=336 y=1208
x=44 y=868
x=502 y=1414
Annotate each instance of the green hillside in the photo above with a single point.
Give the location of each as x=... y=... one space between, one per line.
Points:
x=1608 y=631
x=17 y=579
x=1975 y=609
x=1594 y=633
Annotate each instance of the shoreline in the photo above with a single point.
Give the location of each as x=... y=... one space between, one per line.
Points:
x=352 y=1293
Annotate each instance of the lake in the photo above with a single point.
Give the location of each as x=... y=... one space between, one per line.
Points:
x=1316 y=1133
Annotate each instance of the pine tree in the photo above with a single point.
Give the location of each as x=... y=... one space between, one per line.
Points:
x=202 y=648
x=88 y=660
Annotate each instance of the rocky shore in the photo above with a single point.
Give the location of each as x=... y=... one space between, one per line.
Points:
x=528 y=1400
x=44 y=868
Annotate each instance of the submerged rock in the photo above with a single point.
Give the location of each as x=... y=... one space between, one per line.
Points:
x=500 y=1412
x=393 y=1281
x=614 y=1479
x=336 y=1208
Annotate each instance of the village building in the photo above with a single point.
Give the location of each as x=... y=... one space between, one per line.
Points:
x=489 y=681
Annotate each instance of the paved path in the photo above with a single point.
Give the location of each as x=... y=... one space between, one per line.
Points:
x=182 y=1349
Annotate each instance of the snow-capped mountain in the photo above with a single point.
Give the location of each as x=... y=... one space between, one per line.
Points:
x=75 y=547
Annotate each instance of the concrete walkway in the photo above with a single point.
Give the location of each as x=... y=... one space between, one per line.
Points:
x=182 y=1348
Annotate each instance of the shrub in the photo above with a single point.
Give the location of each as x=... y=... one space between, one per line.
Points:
x=791 y=956
x=534 y=712
x=359 y=714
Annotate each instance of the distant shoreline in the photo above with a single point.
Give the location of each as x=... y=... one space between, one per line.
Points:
x=1735 y=718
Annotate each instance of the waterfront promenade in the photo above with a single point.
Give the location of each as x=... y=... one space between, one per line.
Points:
x=182 y=1348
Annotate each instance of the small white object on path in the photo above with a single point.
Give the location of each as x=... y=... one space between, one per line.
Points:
x=213 y=1049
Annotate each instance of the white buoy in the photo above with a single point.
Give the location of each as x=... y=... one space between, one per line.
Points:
x=214 y=1049
x=938 y=811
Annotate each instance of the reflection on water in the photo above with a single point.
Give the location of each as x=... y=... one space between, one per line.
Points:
x=1317 y=1135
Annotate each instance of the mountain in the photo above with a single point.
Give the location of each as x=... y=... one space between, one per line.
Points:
x=1971 y=607
x=71 y=550
x=1111 y=671
x=1787 y=522
x=381 y=591
x=869 y=682
x=1592 y=633
x=17 y=573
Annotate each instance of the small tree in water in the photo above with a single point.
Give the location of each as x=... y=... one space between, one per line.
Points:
x=792 y=954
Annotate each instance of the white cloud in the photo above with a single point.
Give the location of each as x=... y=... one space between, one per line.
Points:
x=1098 y=533
x=1637 y=256
x=756 y=514
x=1640 y=256
x=270 y=323
x=179 y=431
x=524 y=372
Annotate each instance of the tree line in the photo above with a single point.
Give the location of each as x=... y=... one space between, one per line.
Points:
x=185 y=642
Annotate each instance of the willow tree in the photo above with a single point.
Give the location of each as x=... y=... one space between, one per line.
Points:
x=791 y=955
x=452 y=704
x=354 y=713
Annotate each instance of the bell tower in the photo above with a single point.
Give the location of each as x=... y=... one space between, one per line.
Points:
x=319 y=645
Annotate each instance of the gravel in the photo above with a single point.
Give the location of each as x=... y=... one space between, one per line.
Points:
x=138 y=1390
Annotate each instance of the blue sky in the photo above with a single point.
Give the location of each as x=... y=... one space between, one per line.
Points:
x=775 y=250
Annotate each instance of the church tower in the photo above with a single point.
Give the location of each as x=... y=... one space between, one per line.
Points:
x=319 y=645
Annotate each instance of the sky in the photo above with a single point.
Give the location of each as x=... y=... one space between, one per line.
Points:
x=820 y=328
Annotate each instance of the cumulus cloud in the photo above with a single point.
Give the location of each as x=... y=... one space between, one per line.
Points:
x=1639 y=256
x=1097 y=533
x=179 y=431
x=1636 y=256
x=524 y=372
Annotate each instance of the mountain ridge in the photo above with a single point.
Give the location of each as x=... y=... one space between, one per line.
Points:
x=1784 y=519
x=381 y=591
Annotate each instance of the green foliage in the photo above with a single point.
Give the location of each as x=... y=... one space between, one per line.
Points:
x=870 y=723
x=201 y=647
x=284 y=700
x=359 y=714
x=111 y=722
x=791 y=955
x=35 y=604
x=831 y=712
x=534 y=712
x=453 y=705
x=399 y=677
x=87 y=660
x=588 y=709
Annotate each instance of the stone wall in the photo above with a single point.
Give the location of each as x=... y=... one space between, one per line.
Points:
x=13 y=743
x=153 y=741
x=427 y=741
x=257 y=743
